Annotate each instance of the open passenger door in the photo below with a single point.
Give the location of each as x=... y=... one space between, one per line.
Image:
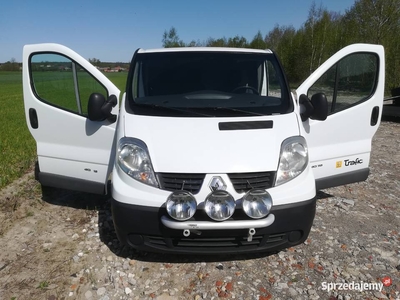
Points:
x=353 y=81
x=73 y=151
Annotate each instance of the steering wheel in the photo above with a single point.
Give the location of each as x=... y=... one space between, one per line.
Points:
x=246 y=87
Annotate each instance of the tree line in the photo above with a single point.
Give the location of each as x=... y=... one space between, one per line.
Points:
x=11 y=65
x=324 y=32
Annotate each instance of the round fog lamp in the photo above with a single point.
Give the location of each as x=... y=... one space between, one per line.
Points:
x=181 y=205
x=257 y=203
x=219 y=205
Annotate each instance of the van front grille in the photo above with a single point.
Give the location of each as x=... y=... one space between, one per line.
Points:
x=176 y=181
x=243 y=182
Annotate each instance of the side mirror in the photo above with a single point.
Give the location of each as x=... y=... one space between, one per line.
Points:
x=316 y=108
x=100 y=109
x=320 y=104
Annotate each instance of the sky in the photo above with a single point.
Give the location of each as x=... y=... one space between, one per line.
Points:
x=112 y=30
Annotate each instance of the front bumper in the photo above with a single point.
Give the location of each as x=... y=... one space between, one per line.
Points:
x=142 y=228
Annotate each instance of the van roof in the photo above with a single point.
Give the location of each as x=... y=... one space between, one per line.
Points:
x=204 y=49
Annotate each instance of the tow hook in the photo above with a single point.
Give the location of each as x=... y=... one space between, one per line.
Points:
x=188 y=232
x=252 y=231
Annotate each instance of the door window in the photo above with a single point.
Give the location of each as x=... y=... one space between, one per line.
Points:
x=63 y=83
x=349 y=82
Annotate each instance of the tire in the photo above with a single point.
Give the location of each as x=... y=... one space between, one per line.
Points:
x=37 y=170
x=396 y=93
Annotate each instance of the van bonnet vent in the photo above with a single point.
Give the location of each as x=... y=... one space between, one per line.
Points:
x=245 y=125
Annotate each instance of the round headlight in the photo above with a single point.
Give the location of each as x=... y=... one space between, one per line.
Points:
x=181 y=205
x=220 y=205
x=257 y=203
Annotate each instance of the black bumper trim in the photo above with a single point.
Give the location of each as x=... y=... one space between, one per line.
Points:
x=70 y=183
x=141 y=228
x=342 y=179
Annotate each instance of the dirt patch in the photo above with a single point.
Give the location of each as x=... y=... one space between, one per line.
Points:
x=36 y=236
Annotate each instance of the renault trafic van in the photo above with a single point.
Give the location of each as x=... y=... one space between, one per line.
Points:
x=208 y=151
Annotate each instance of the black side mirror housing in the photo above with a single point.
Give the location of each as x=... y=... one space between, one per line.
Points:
x=316 y=108
x=99 y=109
x=320 y=104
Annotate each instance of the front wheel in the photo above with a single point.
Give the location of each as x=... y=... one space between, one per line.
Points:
x=37 y=170
x=396 y=93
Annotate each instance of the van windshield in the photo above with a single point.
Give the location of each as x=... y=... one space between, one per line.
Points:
x=195 y=83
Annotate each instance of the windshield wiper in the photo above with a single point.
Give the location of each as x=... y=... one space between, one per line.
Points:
x=239 y=110
x=173 y=108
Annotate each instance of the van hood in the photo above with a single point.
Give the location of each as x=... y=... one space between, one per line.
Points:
x=213 y=145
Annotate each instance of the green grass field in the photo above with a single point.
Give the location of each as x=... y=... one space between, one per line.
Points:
x=18 y=148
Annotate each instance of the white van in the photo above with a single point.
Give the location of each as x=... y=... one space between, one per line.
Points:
x=209 y=151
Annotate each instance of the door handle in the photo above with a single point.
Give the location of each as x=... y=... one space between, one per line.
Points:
x=374 y=115
x=33 y=119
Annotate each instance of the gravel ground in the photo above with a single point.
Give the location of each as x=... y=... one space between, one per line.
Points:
x=61 y=245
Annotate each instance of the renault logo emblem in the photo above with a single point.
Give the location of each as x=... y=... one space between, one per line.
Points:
x=217 y=183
